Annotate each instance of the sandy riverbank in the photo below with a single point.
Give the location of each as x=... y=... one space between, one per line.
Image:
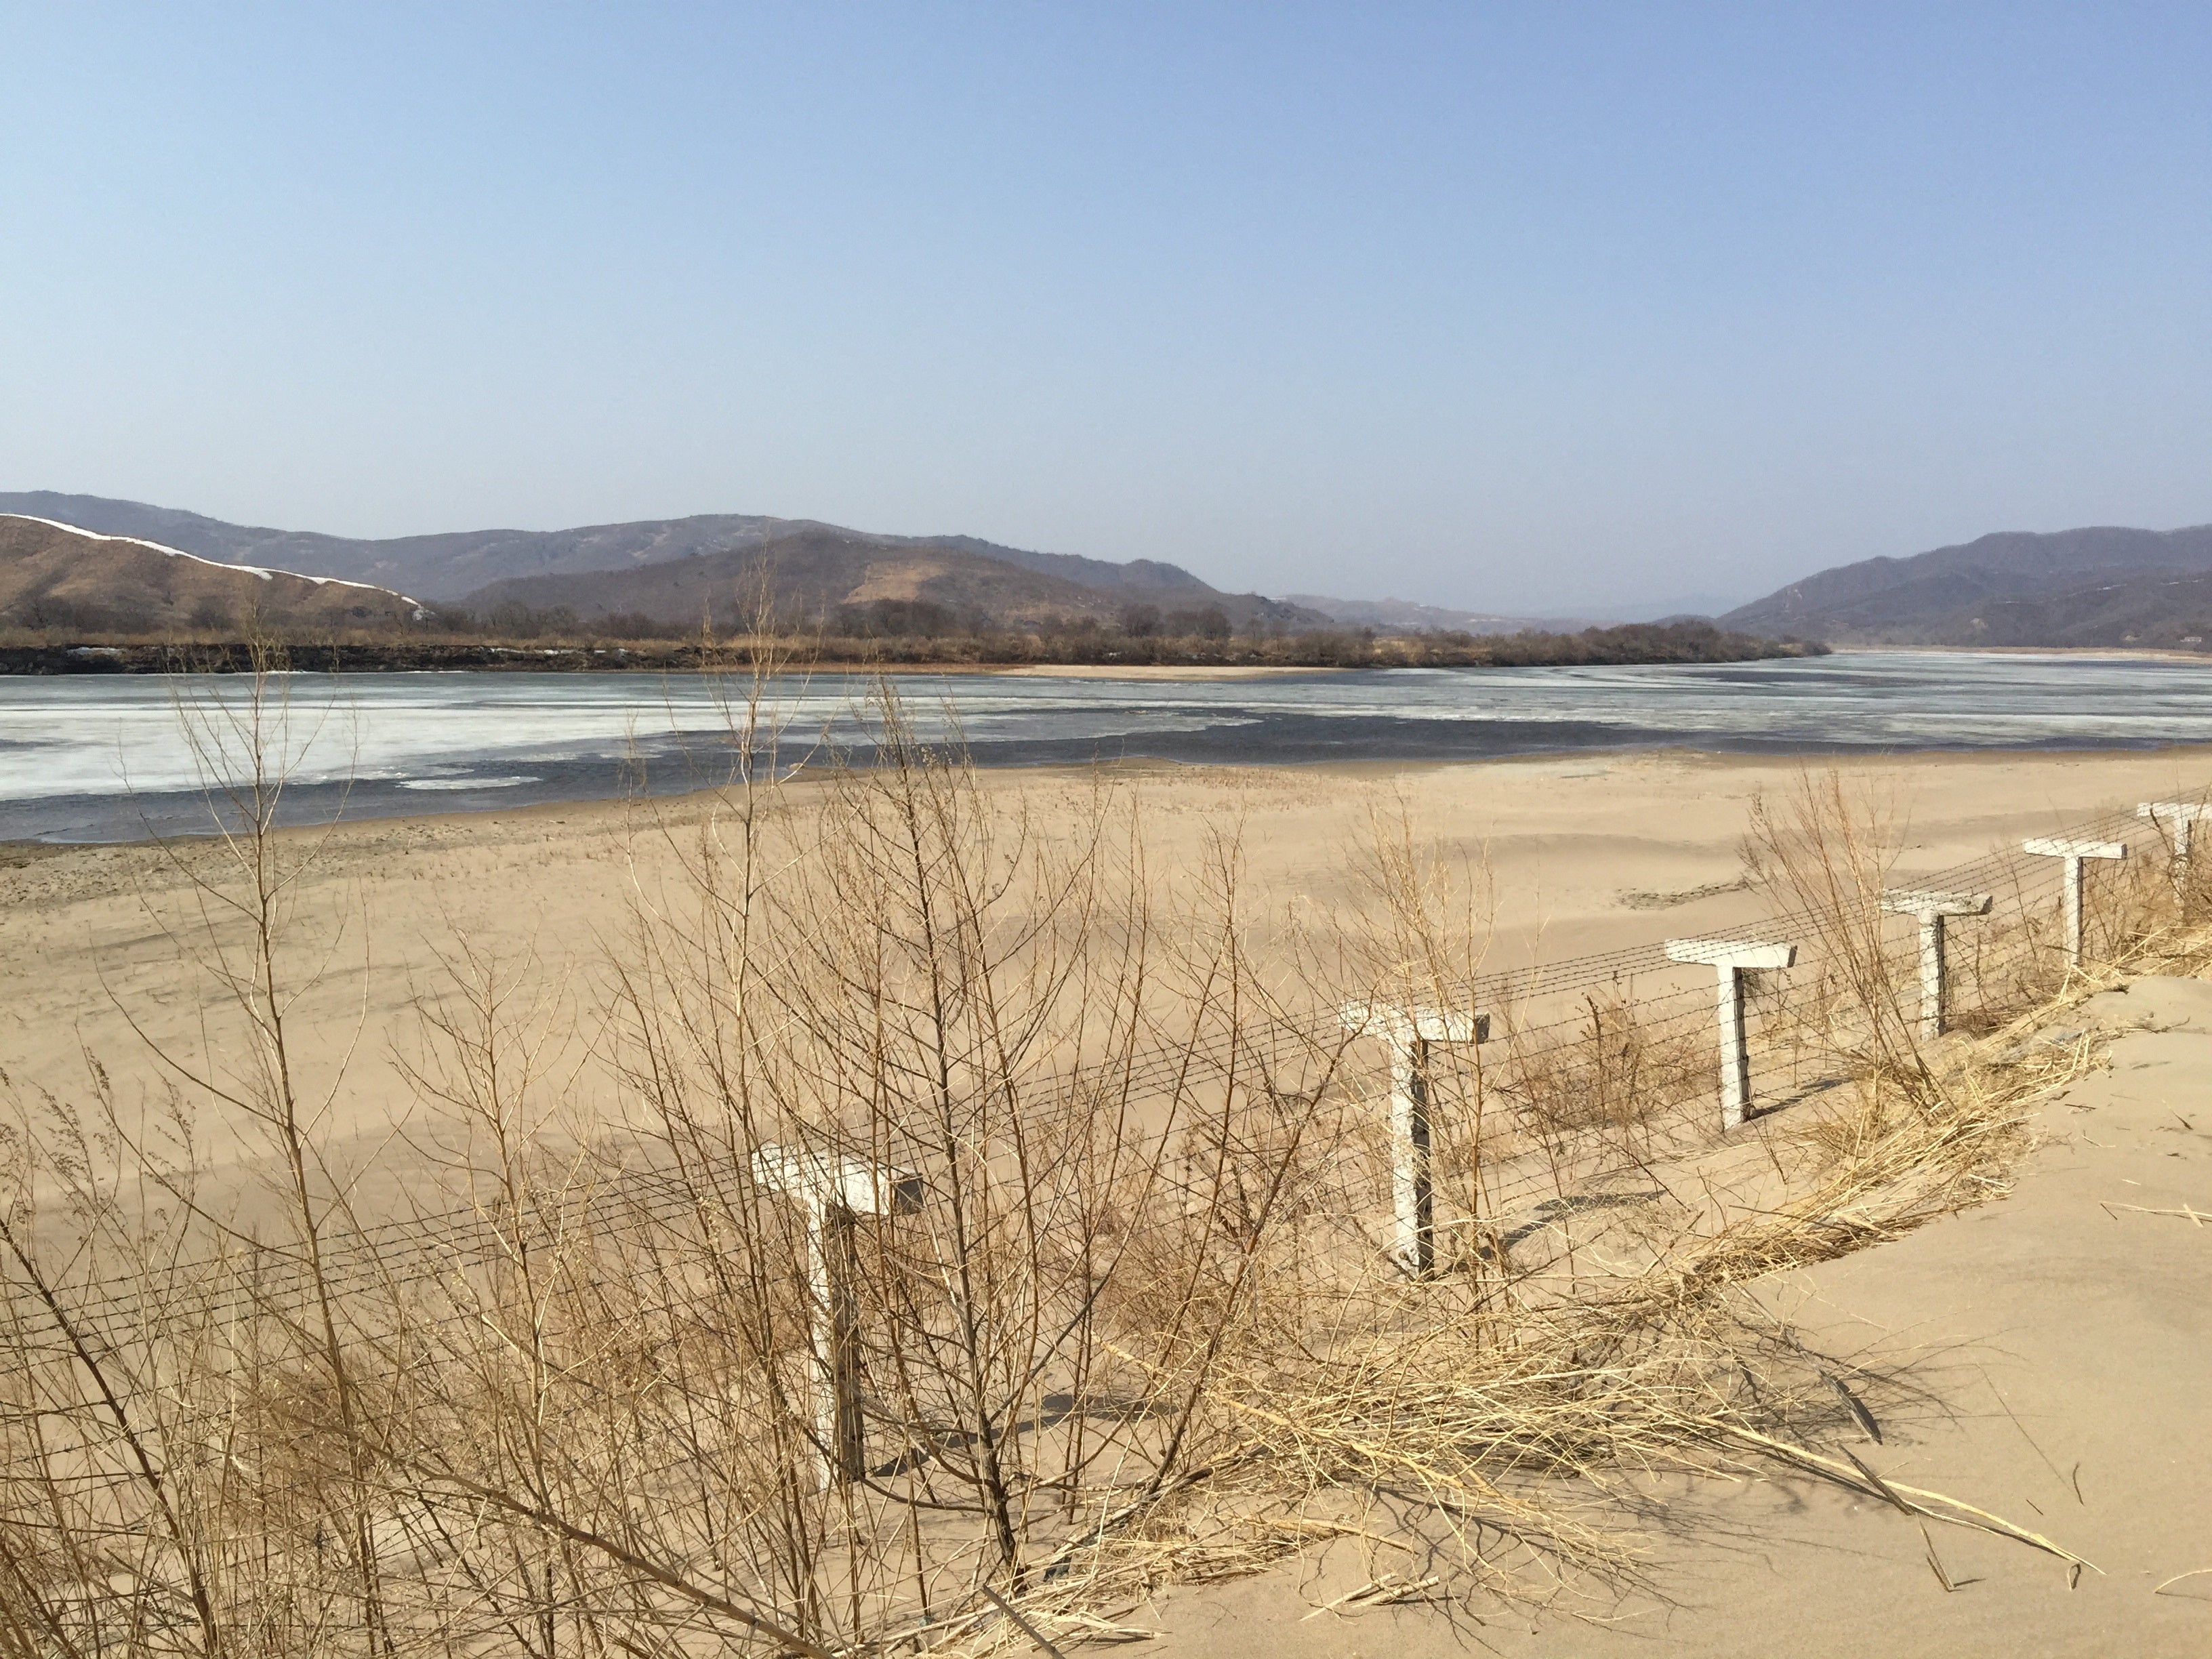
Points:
x=2060 y=1342
x=1577 y=855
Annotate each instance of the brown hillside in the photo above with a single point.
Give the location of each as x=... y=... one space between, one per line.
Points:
x=55 y=576
x=2102 y=585
x=812 y=574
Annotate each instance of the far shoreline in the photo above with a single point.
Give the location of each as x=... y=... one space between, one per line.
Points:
x=93 y=662
x=1093 y=655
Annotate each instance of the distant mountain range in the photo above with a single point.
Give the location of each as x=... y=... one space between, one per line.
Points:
x=2095 y=587
x=2091 y=589
x=819 y=572
x=678 y=570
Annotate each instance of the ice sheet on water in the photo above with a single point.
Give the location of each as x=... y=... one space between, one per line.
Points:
x=565 y=736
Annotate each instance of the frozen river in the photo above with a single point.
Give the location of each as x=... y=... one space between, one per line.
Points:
x=98 y=757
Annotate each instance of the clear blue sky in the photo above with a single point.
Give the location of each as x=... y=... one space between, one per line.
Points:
x=1539 y=307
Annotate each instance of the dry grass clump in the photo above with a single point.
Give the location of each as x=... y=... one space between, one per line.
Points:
x=1611 y=1068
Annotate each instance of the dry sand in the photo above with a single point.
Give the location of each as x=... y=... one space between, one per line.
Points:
x=1579 y=854
x=2051 y=1334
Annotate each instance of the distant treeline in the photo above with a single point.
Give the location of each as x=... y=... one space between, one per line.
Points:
x=876 y=619
x=1209 y=644
x=916 y=632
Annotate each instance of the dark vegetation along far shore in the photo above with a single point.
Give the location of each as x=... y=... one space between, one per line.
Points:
x=558 y=643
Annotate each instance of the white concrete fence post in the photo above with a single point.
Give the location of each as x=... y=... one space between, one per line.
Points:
x=1409 y=1031
x=835 y=1192
x=2175 y=818
x=1933 y=909
x=1732 y=957
x=2074 y=852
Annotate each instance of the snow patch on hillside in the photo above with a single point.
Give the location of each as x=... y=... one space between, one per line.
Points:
x=266 y=575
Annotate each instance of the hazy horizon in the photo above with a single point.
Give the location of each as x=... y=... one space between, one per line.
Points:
x=1519 y=310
